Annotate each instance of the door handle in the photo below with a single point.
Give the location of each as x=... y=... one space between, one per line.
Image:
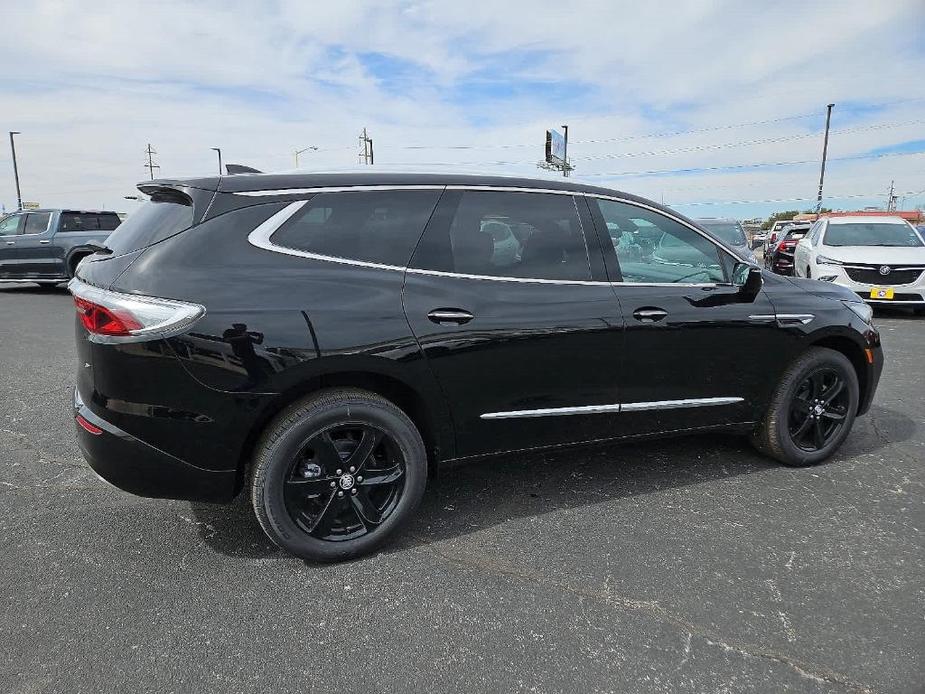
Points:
x=10 y=243
x=450 y=315
x=44 y=241
x=649 y=315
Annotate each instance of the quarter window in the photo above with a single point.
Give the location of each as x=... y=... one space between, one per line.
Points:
x=377 y=227
x=36 y=223
x=652 y=248
x=507 y=234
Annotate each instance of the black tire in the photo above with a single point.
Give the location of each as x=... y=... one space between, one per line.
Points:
x=47 y=286
x=73 y=262
x=804 y=387
x=305 y=507
x=809 y=273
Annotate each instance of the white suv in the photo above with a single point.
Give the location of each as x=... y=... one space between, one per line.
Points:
x=882 y=259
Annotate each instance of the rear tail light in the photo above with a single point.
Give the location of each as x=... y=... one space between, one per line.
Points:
x=115 y=317
x=91 y=428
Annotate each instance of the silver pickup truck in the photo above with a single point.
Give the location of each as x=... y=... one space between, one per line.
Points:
x=44 y=246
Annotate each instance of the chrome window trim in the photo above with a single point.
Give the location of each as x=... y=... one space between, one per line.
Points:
x=260 y=237
x=616 y=408
x=335 y=189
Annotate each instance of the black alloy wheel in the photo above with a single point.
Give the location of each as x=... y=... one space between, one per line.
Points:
x=812 y=409
x=344 y=482
x=336 y=473
x=818 y=409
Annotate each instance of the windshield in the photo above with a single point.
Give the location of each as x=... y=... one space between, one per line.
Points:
x=872 y=234
x=730 y=232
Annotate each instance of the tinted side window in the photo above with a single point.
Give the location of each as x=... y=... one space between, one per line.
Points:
x=11 y=225
x=376 y=227
x=108 y=222
x=36 y=223
x=79 y=221
x=652 y=248
x=501 y=234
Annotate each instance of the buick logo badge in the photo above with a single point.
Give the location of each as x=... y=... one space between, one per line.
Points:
x=885 y=269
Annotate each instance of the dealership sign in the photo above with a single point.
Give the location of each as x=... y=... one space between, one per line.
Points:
x=555 y=147
x=30 y=206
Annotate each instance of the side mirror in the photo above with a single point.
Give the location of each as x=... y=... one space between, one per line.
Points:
x=748 y=279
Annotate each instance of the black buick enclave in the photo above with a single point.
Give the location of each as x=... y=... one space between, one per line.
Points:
x=324 y=342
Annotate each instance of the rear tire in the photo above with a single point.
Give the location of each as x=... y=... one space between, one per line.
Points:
x=812 y=409
x=308 y=487
x=74 y=262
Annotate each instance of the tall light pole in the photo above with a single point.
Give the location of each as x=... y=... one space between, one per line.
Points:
x=302 y=151
x=219 y=150
x=825 y=148
x=15 y=169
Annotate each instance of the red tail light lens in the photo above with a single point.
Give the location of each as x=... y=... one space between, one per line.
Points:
x=112 y=316
x=789 y=245
x=84 y=424
x=102 y=321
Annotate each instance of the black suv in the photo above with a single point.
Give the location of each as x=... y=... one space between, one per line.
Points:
x=323 y=342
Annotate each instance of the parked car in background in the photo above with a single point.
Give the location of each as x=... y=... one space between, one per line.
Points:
x=731 y=232
x=779 y=258
x=45 y=246
x=774 y=233
x=881 y=259
x=759 y=238
x=323 y=343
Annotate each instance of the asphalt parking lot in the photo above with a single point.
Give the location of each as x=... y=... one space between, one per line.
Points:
x=691 y=565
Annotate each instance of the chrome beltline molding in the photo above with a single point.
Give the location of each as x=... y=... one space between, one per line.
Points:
x=615 y=408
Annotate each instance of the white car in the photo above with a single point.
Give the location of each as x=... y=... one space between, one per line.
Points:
x=882 y=259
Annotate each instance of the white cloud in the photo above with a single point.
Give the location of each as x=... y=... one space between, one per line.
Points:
x=89 y=88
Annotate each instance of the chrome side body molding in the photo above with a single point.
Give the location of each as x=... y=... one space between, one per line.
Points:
x=615 y=408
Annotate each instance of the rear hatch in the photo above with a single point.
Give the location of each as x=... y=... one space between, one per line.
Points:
x=172 y=208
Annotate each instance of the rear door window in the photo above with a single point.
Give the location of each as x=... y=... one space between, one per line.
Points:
x=37 y=223
x=79 y=221
x=162 y=216
x=508 y=234
x=370 y=226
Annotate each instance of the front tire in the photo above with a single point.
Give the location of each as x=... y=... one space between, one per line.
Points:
x=812 y=409
x=336 y=474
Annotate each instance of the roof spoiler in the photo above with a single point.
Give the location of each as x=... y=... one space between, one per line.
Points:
x=233 y=169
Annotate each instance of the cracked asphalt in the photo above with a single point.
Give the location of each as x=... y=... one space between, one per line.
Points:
x=686 y=565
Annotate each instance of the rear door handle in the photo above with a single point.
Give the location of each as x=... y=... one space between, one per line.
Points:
x=649 y=315
x=44 y=241
x=450 y=315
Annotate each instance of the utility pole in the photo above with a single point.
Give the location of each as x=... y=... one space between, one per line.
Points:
x=150 y=166
x=366 y=143
x=891 y=199
x=15 y=170
x=825 y=148
x=219 y=150
x=565 y=153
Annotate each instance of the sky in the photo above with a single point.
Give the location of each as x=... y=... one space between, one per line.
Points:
x=715 y=108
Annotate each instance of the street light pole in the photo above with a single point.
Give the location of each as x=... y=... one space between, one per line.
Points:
x=15 y=170
x=825 y=148
x=302 y=151
x=219 y=150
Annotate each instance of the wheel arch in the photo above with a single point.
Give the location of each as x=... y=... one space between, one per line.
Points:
x=855 y=354
x=435 y=429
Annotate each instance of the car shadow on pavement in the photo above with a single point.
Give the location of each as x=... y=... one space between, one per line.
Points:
x=466 y=498
x=33 y=288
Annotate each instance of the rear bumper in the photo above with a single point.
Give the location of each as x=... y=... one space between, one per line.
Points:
x=138 y=467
